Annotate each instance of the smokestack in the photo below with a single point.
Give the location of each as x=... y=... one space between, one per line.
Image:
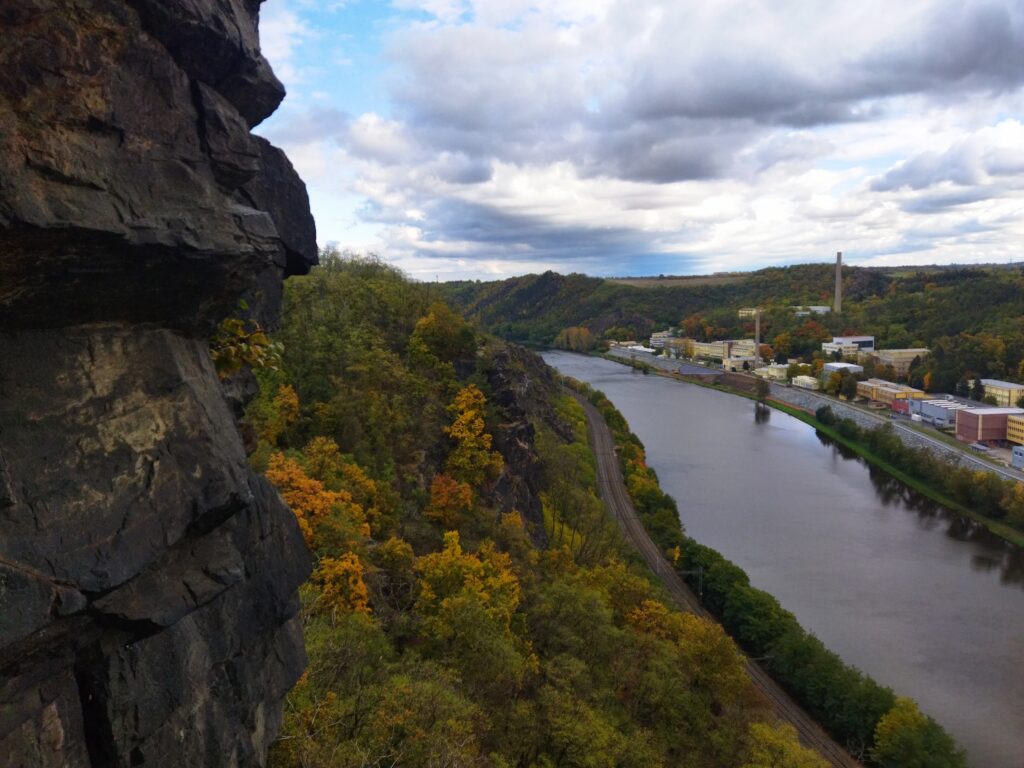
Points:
x=838 y=304
x=757 y=336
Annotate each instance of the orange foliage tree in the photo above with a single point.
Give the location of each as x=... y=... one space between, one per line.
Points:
x=449 y=500
x=328 y=519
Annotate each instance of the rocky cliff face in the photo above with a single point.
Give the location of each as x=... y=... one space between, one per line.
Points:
x=147 y=578
x=522 y=389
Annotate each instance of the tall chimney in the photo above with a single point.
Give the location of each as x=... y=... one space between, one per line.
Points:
x=838 y=304
x=757 y=336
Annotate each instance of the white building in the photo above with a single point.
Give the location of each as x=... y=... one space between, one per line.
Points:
x=806 y=382
x=774 y=372
x=814 y=309
x=849 y=345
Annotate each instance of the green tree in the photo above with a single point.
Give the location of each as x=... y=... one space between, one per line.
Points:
x=907 y=738
x=762 y=389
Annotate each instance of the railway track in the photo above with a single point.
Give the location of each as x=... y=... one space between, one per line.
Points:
x=615 y=496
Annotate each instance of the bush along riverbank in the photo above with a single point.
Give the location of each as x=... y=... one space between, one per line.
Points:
x=873 y=723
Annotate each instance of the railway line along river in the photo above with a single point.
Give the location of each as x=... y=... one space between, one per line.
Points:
x=925 y=601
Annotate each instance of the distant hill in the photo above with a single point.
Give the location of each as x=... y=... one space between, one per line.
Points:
x=973 y=317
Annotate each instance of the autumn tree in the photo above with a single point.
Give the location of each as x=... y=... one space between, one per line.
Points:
x=778 y=747
x=468 y=601
x=472 y=461
x=449 y=501
x=342 y=588
x=329 y=520
x=576 y=339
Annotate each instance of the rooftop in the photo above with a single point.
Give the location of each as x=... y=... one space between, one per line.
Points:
x=992 y=411
x=1001 y=384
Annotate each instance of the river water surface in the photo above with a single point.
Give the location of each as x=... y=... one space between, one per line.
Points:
x=925 y=601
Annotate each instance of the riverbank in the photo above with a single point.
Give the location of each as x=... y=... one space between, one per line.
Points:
x=999 y=528
x=855 y=709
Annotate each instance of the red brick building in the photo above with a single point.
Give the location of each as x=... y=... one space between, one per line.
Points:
x=983 y=425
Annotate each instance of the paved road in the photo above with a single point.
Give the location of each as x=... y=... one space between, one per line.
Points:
x=614 y=494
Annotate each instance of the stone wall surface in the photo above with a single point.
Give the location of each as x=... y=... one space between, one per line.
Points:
x=148 y=579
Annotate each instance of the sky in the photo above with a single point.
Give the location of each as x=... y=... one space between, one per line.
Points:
x=480 y=139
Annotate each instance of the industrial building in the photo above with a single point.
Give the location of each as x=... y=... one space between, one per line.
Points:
x=940 y=412
x=882 y=391
x=984 y=425
x=774 y=371
x=806 y=382
x=852 y=368
x=726 y=348
x=659 y=338
x=1006 y=393
x=899 y=359
x=848 y=346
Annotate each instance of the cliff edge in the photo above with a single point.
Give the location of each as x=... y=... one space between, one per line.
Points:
x=148 y=579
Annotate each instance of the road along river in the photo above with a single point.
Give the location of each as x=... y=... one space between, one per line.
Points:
x=923 y=600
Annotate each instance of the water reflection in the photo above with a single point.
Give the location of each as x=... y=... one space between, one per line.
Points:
x=762 y=413
x=997 y=554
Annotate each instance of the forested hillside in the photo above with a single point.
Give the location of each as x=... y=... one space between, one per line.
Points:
x=472 y=603
x=972 y=318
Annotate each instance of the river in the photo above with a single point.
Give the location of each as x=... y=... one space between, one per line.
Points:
x=923 y=600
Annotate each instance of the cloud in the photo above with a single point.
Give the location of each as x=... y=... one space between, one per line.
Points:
x=721 y=135
x=282 y=32
x=993 y=151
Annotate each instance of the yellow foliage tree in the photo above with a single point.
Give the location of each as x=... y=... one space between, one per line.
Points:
x=778 y=747
x=325 y=462
x=342 y=588
x=283 y=411
x=451 y=572
x=472 y=461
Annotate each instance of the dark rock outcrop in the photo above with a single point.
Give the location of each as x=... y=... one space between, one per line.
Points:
x=522 y=388
x=148 y=579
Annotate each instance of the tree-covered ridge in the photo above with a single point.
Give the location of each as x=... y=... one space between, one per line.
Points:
x=442 y=629
x=971 y=318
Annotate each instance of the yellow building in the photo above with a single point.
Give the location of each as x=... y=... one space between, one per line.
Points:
x=721 y=350
x=881 y=391
x=1006 y=393
x=899 y=359
x=1015 y=429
